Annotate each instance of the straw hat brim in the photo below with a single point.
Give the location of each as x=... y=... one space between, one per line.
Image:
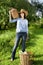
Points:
x=14 y=13
x=23 y=11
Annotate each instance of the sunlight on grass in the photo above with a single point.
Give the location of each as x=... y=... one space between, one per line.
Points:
x=34 y=45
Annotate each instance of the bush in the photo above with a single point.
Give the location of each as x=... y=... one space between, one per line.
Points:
x=5 y=6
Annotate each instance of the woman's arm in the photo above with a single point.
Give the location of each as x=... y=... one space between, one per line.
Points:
x=10 y=19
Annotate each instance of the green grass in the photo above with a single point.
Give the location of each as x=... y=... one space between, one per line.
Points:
x=34 y=45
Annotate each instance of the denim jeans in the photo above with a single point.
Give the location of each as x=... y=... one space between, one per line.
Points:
x=22 y=35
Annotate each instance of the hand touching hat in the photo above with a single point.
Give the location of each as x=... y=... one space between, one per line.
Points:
x=14 y=13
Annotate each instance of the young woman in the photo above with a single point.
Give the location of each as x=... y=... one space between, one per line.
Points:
x=21 y=31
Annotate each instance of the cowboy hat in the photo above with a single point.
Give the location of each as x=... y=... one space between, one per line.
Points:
x=24 y=11
x=14 y=13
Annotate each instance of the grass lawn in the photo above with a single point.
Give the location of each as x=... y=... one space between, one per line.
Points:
x=34 y=45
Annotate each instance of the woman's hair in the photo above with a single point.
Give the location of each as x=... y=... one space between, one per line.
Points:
x=24 y=15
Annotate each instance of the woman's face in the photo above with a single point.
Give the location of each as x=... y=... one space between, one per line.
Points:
x=22 y=15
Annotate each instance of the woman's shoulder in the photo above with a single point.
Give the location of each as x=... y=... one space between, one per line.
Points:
x=26 y=20
x=19 y=18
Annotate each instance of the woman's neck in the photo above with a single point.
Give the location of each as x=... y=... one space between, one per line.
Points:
x=22 y=17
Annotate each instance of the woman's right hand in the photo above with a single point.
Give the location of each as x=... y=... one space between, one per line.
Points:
x=9 y=12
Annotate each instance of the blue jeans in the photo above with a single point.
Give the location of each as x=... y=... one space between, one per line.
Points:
x=22 y=35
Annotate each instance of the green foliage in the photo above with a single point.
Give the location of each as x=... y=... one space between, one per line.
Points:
x=5 y=6
x=5 y=37
x=34 y=45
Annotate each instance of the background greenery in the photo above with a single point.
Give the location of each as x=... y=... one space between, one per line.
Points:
x=8 y=34
x=5 y=6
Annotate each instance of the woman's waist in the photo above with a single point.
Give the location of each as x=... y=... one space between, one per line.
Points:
x=21 y=31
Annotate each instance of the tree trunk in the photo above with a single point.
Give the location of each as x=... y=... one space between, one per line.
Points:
x=25 y=59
